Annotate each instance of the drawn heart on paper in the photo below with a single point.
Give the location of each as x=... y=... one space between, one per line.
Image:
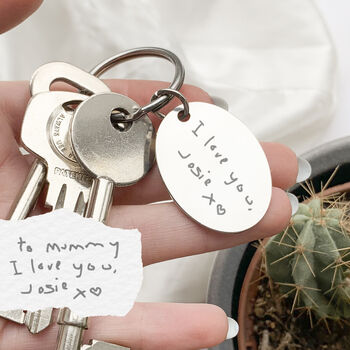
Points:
x=220 y=209
x=96 y=291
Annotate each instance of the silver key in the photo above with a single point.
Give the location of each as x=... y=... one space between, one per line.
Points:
x=45 y=132
x=114 y=158
x=25 y=201
x=42 y=113
x=41 y=81
x=35 y=321
x=27 y=197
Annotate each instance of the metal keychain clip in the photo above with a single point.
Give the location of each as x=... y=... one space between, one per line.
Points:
x=184 y=113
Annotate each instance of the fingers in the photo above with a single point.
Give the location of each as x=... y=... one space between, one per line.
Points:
x=15 y=97
x=282 y=160
x=167 y=233
x=146 y=327
x=164 y=326
x=283 y=164
x=142 y=90
x=13 y=170
x=13 y=12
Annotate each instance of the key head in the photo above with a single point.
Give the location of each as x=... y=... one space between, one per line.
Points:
x=51 y=72
x=46 y=125
x=105 y=151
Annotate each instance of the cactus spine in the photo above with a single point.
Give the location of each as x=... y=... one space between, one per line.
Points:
x=310 y=260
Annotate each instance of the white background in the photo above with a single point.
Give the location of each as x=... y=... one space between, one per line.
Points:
x=336 y=14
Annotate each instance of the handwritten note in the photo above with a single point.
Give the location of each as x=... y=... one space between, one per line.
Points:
x=214 y=168
x=61 y=259
x=210 y=144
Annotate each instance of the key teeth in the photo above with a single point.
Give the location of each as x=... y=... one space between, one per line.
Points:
x=17 y=316
x=35 y=321
x=100 y=345
x=39 y=320
x=66 y=197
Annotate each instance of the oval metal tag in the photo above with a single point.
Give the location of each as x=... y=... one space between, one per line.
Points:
x=214 y=168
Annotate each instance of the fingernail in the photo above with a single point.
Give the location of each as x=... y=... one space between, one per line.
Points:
x=293 y=202
x=232 y=328
x=304 y=170
x=220 y=102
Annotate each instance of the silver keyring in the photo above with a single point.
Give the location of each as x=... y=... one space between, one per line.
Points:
x=160 y=101
x=183 y=114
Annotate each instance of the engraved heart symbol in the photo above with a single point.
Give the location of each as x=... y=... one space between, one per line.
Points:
x=220 y=209
x=96 y=291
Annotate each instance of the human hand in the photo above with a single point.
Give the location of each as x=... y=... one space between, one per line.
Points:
x=166 y=232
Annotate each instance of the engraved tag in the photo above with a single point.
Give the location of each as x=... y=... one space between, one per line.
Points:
x=214 y=168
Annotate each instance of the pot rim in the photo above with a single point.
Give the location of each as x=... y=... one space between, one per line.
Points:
x=251 y=283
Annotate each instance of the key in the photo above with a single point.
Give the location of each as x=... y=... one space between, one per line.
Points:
x=60 y=121
x=25 y=201
x=51 y=72
x=116 y=157
x=43 y=114
x=27 y=197
x=71 y=332
x=35 y=321
x=68 y=184
x=41 y=81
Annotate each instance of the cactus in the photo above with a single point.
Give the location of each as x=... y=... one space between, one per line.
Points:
x=310 y=260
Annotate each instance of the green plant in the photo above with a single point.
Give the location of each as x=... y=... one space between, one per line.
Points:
x=310 y=260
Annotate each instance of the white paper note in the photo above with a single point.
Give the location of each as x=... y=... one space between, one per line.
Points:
x=62 y=259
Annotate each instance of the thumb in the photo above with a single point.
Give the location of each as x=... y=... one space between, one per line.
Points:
x=13 y=12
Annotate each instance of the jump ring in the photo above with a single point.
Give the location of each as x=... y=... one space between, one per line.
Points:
x=173 y=93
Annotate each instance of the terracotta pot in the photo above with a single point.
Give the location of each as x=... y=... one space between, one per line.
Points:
x=246 y=337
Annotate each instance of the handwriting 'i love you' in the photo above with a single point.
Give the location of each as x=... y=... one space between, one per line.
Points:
x=214 y=168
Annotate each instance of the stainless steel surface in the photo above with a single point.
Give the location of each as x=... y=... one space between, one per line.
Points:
x=101 y=198
x=176 y=84
x=26 y=199
x=100 y=345
x=35 y=321
x=70 y=333
x=114 y=157
x=39 y=320
x=69 y=185
x=71 y=192
x=45 y=133
x=123 y=156
x=214 y=168
x=17 y=316
x=49 y=73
